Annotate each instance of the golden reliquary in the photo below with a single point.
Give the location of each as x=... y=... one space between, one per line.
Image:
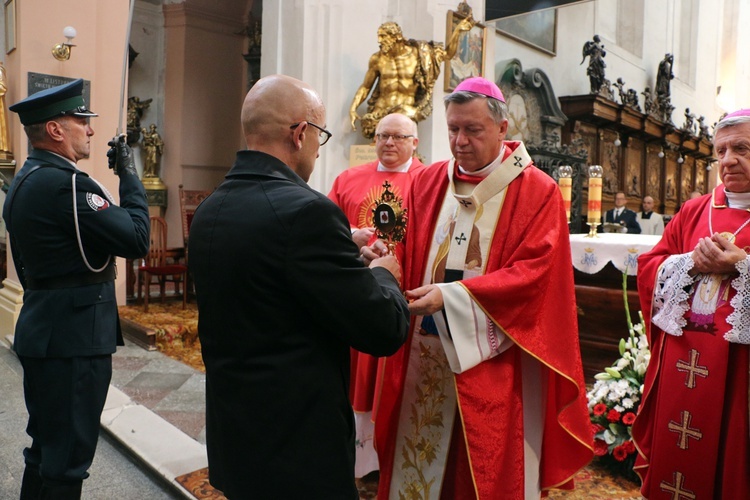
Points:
x=389 y=217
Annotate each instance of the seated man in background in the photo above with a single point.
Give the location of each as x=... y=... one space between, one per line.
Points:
x=649 y=221
x=622 y=215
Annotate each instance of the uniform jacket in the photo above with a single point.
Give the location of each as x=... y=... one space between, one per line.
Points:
x=282 y=296
x=626 y=218
x=81 y=320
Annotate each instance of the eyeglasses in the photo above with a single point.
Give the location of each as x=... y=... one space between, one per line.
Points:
x=323 y=135
x=395 y=137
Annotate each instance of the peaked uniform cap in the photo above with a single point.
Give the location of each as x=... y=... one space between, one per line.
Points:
x=62 y=100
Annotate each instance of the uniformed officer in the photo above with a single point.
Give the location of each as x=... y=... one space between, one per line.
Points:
x=65 y=231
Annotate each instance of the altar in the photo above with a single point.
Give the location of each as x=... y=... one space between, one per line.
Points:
x=599 y=266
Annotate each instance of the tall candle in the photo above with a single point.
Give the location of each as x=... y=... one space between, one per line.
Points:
x=595 y=194
x=566 y=184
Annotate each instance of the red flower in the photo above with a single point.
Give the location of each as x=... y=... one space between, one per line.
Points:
x=628 y=446
x=600 y=448
x=628 y=418
x=613 y=415
x=600 y=409
x=596 y=428
x=619 y=453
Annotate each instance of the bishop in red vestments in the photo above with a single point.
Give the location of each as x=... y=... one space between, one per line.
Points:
x=356 y=191
x=692 y=427
x=486 y=399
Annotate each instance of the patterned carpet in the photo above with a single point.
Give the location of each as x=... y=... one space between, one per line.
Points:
x=592 y=483
x=176 y=329
x=177 y=337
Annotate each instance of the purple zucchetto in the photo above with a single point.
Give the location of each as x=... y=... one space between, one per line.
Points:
x=739 y=112
x=482 y=86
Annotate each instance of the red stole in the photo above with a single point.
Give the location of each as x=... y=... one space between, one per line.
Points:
x=692 y=427
x=528 y=291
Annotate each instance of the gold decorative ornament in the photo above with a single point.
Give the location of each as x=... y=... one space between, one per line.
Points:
x=401 y=76
x=389 y=217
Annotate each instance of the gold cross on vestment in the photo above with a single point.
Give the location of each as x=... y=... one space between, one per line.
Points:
x=692 y=368
x=685 y=430
x=676 y=489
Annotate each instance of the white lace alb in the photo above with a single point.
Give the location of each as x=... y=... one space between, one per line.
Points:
x=674 y=286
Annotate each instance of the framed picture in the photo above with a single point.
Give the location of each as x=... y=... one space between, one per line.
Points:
x=10 y=26
x=469 y=58
x=536 y=29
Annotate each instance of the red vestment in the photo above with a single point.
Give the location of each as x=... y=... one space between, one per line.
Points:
x=692 y=427
x=355 y=191
x=527 y=290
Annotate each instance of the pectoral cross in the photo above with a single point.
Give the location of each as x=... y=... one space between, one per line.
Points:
x=692 y=369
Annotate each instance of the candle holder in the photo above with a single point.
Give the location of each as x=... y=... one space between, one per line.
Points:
x=594 y=215
x=593 y=233
x=565 y=173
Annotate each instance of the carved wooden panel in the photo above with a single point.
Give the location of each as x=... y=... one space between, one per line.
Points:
x=587 y=134
x=670 y=181
x=609 y=159
x=700 y=176
x=634 y=163
x=654 y=167
x=687 y=178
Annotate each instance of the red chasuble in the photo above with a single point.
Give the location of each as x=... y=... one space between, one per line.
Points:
x=527 y=290
x=692 y=427
x=355 y=191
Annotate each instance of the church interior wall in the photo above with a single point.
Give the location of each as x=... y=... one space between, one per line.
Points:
x=190 y=63
x=204 y=87
x=146 y=73
x=97 y=57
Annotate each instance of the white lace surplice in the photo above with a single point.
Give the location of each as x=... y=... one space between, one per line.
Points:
x=674 y=286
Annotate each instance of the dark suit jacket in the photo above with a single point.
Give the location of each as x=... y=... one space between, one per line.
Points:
x=626 y=218
x=79 y=320
x=282 y=295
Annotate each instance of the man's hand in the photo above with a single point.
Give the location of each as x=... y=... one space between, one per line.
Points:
x=362 y=236
x=375 y=251
x=120 y=157
x=425 y=300
x=716 y=255
x=390 y=263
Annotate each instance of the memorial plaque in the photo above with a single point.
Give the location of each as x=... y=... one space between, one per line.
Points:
x=359 y=154
x=40 y=81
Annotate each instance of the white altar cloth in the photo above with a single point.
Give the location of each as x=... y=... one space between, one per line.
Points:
x=590 y=255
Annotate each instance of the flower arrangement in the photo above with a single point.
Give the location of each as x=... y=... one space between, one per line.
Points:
x=616 y=396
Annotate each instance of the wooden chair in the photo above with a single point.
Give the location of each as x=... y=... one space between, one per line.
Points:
x=189 y=201
x=155 y=264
